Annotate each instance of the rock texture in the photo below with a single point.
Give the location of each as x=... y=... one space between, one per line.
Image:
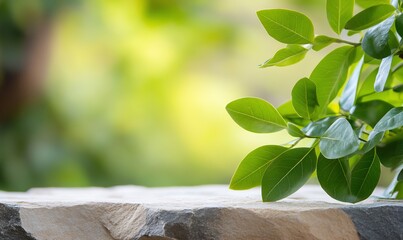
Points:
x=204 y=212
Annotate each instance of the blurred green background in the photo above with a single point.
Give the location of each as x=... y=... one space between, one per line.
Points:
x=101 y=93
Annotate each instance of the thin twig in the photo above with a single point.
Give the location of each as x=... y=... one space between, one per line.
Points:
x=338 y=40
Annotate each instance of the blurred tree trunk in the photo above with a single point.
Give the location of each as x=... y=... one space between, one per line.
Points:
x=22 y=84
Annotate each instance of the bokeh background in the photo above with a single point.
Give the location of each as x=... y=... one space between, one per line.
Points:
x=101 y=92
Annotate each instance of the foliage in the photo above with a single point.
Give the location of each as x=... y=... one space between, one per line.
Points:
x=349 y=140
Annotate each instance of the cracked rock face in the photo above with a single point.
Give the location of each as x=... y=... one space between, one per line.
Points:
x=204 y=212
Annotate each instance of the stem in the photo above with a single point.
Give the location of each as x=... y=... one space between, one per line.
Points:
x=363 y=140
x=296 y=142
x=338 y=40
x=315 y=143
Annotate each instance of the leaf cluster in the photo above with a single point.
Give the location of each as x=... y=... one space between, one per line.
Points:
x=351 y=106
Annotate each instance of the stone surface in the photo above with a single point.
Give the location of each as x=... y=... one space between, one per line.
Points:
x=204 y=212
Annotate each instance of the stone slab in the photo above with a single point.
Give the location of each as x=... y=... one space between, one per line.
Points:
x=202 y=212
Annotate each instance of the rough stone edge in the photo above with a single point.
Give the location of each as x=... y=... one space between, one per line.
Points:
x=380 y=221
x=182 y=224
x=372 y=221
x=10 y=223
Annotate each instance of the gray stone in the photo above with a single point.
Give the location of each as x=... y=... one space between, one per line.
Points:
x=203 y=212
x=378 y=221
x=10 y=224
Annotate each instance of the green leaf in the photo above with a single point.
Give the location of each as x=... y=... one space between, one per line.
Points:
x=346 y=185
x=400 y=176
x=256 y=115
x=399 y=25
x=392 y=119
x=365 y=176
x=330 y=74
x=376 y=40
x=250 y=171
x=286 y=56
x=391 y=155
x=294 y=130
x=352 y=32
x=370 y=17
x=348 y=96
x=398 y=88
x=288 y=112
x=318 y=128
x=287 y=26
x=338 y=12
x=322 y=41
x=398 y=190
x=370 y=3
x=304 y=98
x=373 y=139
x=371 y=112
x=383 y=73
x=334 y=176
x=339 y=140
x=287 y=109
x=367 y=86
x=288 y=173
x=393 y=42
x=391 y=97
x=367 y=93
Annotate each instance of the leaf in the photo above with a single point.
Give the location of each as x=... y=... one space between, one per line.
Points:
x=339 y=140
x=371 y=112
x=250 y=171
x=383 y=73
x=352 y=32
x=376 y=40
x=367 y=86
x=399 y=25
x=400 y=176
x=365 y=176
x=398 y=190
x=318 y=128
x=330 y=74
x=398 y=88
x=338 y=12
x=256 y=115
x=304 y=98
x=367 y=92
x=391 y=155
x=288 y=112
x=287 y=26
x=322 y=41
x=286 y=56
x=391 y=97
x=392 y=119
x=294 y=130
x=393 y=42
x=288 y=173
x=334 y=176
x=287 y=109
x=370 y=17
x=348 y=96
x=369 y=3
x=346 y=185
x=373 y=139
